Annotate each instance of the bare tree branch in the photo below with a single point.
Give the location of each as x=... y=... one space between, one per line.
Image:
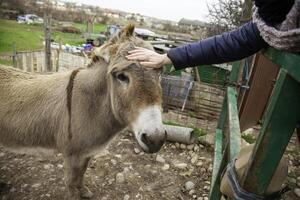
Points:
x=224 y=15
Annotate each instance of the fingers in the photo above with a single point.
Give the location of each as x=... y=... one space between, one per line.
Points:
x=138 y=57
x=150 y=64
x=139 y=50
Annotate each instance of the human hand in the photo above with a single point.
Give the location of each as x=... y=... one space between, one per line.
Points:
x=148 y=58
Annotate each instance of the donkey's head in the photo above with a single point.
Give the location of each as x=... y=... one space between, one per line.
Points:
x=135 y=92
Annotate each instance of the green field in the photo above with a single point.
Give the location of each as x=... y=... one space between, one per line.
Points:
x=26 y=37
x=30 y=37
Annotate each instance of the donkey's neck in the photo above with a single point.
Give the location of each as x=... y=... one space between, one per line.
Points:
x=93 y=85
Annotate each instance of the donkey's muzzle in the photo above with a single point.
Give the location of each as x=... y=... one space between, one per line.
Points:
x=153 y=142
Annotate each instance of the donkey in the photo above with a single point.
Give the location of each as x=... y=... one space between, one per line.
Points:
x=77 y=113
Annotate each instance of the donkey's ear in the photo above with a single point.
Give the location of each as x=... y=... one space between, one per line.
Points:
x=124 y=33
x=102 y=52
x=128 y=31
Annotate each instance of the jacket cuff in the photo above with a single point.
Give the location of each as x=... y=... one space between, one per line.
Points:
x=176 y=59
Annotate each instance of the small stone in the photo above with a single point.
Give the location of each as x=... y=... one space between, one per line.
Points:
x=160 y=159
x=126 y=170
x=110 y=181
x=59 y=155
x=136 y=150
x=177 y=145
x=196 y=148
x=118 y=156
x=120 y=178
x=165 y=167
x=205 y=198
x=199 y=164
x=297 y=192
x=206 y=188
x=48 y=166
x=12 y=190
x=126 y=197
x=191 y=192
x=189 y=185
x=113 y=161
x=60 y=166
x=2 y=154
x=298 y=179
x=200 y=198
x=203 y=170
x=180 y=165
x=47 y=195
x=190 y=146
x=194 y=159
x=36 y=185
x=182 y=146
x=194 y=196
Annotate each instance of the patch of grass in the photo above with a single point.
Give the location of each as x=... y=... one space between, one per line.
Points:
x=248 y=138
x=97 y=27
x=68 y=38
x=192 y=114
x=198 y=131
x=6 y=62
x=172 y=123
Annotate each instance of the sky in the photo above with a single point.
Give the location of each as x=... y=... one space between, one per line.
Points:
x=164 y=9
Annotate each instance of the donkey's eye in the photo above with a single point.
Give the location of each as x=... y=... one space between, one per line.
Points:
x=123 y=78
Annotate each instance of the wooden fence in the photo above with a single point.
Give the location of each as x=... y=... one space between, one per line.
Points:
x=34 y=61
x=198 y=100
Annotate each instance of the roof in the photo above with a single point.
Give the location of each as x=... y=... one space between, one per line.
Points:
x=144 y=32
x=184 y=21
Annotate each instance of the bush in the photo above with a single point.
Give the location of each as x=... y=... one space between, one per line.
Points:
x=70 y=29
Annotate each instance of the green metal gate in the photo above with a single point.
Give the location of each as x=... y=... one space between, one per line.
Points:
x=279 y=122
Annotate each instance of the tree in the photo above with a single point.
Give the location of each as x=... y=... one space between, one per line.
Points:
x=224 y=15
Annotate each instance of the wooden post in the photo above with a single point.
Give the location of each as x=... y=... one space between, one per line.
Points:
x=90 y=24
x=14 y=55
x=47 y=31
x=58 y=54
x=196 y=74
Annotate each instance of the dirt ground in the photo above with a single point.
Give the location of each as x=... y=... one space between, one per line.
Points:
x=122 y=173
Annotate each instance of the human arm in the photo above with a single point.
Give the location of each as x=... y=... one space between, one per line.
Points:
x=227 y=47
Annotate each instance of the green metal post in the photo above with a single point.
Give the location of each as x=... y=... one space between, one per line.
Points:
x=280 y=120
x=234 y=124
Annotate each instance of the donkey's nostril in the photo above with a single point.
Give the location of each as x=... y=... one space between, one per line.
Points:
x=166 y=135
x=145 y=138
